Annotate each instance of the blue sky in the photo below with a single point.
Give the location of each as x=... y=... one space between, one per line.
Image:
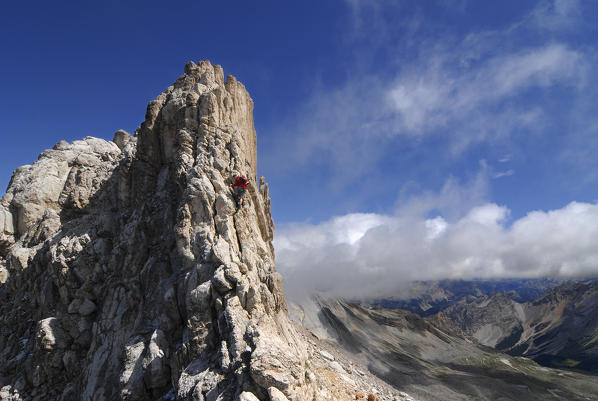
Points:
x=389 y=109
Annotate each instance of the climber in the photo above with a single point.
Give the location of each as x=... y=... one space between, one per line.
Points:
x=240 y=187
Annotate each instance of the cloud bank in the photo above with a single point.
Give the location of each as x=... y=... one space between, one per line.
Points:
x=369 y=255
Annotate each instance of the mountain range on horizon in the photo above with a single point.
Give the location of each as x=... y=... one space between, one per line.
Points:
x=552 y=321
x=429 y=297
x=559 y=328
x=431 y=360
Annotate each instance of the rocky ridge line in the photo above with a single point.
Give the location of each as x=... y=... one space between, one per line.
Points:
x=127 y=271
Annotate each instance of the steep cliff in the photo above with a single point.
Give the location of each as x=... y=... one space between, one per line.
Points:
x=128 y=271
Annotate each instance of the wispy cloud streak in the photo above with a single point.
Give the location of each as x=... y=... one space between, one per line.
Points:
x=468 y=90
x=439 y=93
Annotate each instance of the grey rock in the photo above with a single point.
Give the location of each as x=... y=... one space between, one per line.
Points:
x=247 y=396
x=70 y=393
x=224 y=356
x=276 y=395
x=155 y=364
x=70 y=361
x=3 y=273
x=87 y=307
x=327 y=355
x=337 y=366
x=74 y=305
x=121 y=138
x=141 y=274
x=5 y=393
x=220 y=282
x=50 y=335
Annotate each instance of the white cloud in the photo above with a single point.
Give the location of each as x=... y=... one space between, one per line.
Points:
x=506 y=173
x=435 y=227
x=333 y=232
x=438 y=93
x=368 y=255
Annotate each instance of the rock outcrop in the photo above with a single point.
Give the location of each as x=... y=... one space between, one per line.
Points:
x=129 y=273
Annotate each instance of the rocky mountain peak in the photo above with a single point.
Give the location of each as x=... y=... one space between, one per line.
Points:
x=129 y=271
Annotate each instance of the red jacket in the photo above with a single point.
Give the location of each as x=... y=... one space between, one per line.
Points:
x=241 y=181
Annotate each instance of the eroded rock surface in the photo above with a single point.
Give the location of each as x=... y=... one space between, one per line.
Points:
x=128 y=272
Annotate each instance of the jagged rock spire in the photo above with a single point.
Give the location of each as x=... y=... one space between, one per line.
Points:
x=137 y=276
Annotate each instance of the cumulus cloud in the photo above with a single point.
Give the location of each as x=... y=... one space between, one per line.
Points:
x=369 y=255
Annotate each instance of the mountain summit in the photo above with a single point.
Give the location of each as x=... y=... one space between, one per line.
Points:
x=129 y=272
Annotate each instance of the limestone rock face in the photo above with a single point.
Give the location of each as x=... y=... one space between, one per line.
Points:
x=128 y=272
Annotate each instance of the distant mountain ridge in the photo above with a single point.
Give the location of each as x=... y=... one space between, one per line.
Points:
x=559 y=328
x=429 y=297
x=411 y=353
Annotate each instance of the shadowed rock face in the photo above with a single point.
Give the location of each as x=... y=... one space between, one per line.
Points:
x=128 y=273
